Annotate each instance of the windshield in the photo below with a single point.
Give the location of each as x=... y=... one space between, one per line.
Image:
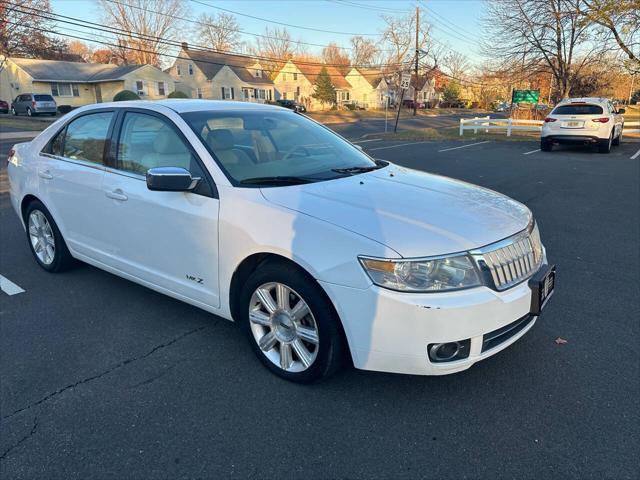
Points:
x=581 y=109
x=279 y=145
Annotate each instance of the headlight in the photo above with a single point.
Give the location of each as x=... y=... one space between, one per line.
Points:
x=428 y=275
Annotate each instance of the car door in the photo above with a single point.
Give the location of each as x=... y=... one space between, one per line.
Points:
x=167 y=239
x=70 y=171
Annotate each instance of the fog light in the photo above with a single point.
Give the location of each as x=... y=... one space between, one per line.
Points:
x=449 y=351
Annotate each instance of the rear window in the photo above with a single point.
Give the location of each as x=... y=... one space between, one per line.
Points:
x=578 y=109
x=43 y=98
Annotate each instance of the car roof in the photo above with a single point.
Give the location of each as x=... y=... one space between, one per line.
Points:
x=595 y=100
x=180 y=105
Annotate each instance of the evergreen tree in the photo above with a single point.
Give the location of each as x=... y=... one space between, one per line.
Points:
x=325 y=92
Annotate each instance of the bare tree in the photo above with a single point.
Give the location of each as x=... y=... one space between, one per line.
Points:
x=398 y=39
x=334 y=55
x=221 y=32
x=541 y=35
x=621 y=19
x=364 y=51
x=145 y=35
x=456 y=64
x=26 y=32
x=276 y=47
x=80 y=49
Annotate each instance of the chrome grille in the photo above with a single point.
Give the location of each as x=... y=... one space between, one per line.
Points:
x=512 y=260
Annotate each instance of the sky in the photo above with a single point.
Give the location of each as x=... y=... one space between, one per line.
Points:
x=456 y=23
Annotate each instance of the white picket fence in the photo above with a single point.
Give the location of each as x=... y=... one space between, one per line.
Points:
x=515 y=124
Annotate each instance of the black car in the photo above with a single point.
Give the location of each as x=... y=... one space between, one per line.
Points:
x=291 y=105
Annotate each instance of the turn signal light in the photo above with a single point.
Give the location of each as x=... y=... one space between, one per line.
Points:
x=549 y=119
x=600 y=120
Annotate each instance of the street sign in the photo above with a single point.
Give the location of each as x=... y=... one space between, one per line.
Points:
x=405 y=81
x=525 y=96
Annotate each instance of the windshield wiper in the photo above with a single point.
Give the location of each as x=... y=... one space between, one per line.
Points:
x=277 y=180
x=354 y=170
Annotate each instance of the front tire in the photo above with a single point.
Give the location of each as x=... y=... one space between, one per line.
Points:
x=291 y=324
x=45 y=240
x=29 y=112
x=13 y=112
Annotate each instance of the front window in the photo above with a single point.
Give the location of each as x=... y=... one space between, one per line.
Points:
x=161 y=89
x=64 y=90
x=271 y=148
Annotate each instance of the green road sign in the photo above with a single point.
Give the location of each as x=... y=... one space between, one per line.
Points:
x=525 y=96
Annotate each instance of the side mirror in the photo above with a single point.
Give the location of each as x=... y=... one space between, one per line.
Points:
x=621 y=110
x=171 y=179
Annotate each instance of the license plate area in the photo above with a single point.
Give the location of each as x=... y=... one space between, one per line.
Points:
x=572 y=124
x=542 y=286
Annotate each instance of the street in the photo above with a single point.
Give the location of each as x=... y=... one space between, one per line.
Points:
x=104 y=378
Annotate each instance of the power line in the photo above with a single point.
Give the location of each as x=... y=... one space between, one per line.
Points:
x=138 y=49
x=373 y=8
x=173 y=43
x=285 y=24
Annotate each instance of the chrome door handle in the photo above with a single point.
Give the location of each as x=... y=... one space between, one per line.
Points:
x=45 y=174
x=117 y=195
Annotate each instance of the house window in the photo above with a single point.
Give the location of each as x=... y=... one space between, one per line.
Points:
x=161 y=89
x=258 y=73
x=345 y=96
x=227 y=93
x=284 y=77
x=284 y=95
x=190 y=69
x=295 y=76
x=297 y=96
x=64 y=90
x=179 y=70
x=261 y=94
x=269 y=95
x=199 y=92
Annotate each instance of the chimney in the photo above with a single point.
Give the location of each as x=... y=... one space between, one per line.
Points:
x=185 y=46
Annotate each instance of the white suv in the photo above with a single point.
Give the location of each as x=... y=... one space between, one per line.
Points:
x=583 y=121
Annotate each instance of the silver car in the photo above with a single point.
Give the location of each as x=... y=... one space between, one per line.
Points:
x=34 y=104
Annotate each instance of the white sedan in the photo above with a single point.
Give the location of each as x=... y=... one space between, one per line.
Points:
x=261 y=215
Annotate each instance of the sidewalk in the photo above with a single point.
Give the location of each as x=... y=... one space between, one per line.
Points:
x=22 y=134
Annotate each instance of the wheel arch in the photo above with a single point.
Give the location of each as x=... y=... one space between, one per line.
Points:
x=251 y=263
x=24 y=204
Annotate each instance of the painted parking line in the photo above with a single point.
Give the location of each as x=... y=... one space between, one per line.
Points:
x=463 y=146
x=532 y=151
x=8 y=287
x=370 y=140
x=396 y=146
x=635 y=155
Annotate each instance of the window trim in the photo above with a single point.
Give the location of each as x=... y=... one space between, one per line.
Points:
x=111 y=164
x=46 y=150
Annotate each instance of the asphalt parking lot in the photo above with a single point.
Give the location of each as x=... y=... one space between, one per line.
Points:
x=102 y=378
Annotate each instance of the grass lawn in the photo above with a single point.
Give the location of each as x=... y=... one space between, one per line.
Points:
x=31 y=124
x=453 y=133
x=346 y=116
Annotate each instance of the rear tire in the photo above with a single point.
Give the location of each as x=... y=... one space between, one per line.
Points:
x=45 y=240
x=284 y=329
x=545 y=145
x=604 y=146
x=618 y=139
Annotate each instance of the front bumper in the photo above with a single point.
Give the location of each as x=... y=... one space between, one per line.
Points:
x=390 y=331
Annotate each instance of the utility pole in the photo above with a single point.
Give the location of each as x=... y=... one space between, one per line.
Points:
x=415 y=86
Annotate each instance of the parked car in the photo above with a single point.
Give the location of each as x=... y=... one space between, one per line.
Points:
x=291 y=105
x=408 y=103
x=263 y=216
x=4 y=107
x=34 y=104
x=583 y=121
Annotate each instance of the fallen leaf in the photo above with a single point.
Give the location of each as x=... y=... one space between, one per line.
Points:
x=561 y=341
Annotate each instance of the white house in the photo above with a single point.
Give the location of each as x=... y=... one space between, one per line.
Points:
x=221 y=76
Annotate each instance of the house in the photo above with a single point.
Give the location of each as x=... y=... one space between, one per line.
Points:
x=78 y=83
x=370 y=88
x=426 y=86
x=296 y=81
x=221 y=76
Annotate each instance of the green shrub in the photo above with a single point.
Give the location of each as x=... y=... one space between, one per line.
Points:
x=125 y=95
x=177 y=94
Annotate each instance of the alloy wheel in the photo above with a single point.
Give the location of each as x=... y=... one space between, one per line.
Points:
x=41 y=237
x=283 y=326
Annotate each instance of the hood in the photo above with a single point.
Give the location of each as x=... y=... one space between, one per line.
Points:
x=414 y=213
